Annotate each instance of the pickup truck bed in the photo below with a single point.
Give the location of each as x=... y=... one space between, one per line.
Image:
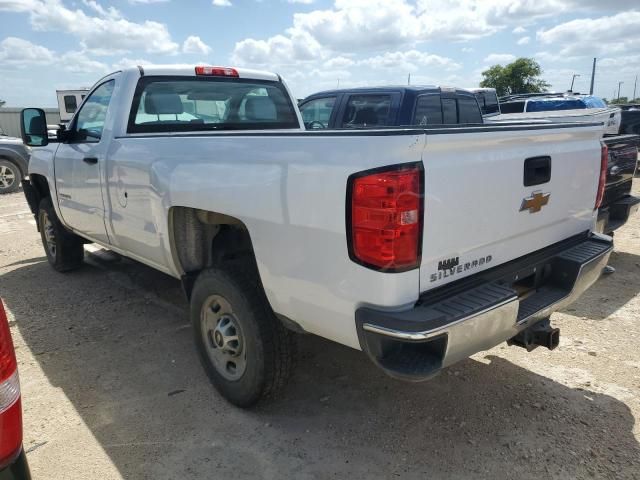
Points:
x=210 y=177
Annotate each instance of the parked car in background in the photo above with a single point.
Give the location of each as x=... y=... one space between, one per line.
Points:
x=389 y=106
x=420 y=245
x=13 y=462
x=14 y=161
x=630 y=122
x=558 y=107
x=618 y=204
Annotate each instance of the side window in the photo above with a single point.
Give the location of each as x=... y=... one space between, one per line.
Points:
x=91 y=117
x=512 y=107
x=428 y=110
x=70 y=104
x=316 y=113
x=367 y=111
x=449 y=111
x=468 y=110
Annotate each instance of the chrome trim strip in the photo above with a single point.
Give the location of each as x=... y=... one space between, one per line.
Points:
x=426 y=334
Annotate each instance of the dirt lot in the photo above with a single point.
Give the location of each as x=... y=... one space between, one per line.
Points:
x=112 y=388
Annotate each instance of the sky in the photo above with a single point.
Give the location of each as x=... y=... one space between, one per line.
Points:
x=317 y=44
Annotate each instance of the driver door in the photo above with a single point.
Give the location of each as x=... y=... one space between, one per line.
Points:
x=79 y=166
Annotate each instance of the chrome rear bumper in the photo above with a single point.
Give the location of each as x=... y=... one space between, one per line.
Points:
x=473 y=315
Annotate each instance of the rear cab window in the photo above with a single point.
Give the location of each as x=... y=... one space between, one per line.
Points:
x=447 y=109
x=367 y=110
x=182 y=104
x=428 y=110
x=468 y=110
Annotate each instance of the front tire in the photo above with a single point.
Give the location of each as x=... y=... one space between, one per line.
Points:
x=245 y=350
x=64 y=249
x=10 y=177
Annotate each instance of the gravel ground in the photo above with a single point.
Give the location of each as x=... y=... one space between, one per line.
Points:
x=112 y=388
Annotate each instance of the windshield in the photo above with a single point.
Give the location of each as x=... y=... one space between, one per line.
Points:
x=164 y=104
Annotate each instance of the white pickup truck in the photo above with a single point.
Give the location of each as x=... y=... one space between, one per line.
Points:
x=420 y=246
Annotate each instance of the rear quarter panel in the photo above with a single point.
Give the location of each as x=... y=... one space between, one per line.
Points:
x=289 y=190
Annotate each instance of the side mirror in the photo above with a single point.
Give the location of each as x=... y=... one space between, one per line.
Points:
x=33 y=127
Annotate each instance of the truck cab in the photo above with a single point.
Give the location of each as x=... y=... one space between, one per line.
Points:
x=389 y=106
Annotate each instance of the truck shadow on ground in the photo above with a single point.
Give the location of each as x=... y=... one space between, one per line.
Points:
x=611 y=292
x=117 y=341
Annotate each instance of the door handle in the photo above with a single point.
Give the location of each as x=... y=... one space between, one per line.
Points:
x=537 y=170
x=90 y=160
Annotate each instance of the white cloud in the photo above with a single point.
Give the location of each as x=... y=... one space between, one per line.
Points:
x=499 y=58
x=106 y=32
x=193 y=44
x=221 y=3
x=110 y=12
x=524 y=41
x=145 y=2
x=18 y=5
x=588 y=36
x=305 y=2
x=409 y=61
x=128 y=63
x=79 y=62
x=277 y=50
x=19 y=52
x=339 y=62
x=519 y=30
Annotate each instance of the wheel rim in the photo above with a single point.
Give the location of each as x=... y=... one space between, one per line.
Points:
x=223 y=339
x=7 y=177
x=49 y=233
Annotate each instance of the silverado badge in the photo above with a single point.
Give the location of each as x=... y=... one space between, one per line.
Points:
x=535 y=202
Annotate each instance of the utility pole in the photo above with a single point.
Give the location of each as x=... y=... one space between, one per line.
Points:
x=573 y=80
x=409 y=80
x=619 y=85
x=593 y=76
x=338 y=83
x=635 y=84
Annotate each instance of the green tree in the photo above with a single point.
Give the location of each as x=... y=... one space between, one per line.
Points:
x=519 y=76
x=2 y=102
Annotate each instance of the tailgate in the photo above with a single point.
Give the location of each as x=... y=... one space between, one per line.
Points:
x=478 y=211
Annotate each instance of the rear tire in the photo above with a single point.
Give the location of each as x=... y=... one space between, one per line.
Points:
x=244 y=348
x=64 y=249
x=10 y=177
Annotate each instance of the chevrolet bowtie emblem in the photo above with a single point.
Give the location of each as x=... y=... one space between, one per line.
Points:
x=535 y=202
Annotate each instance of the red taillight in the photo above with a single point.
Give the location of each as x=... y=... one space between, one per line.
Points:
x=10 y=409
x=384 y=221
x=217 y=71
x=604 y=161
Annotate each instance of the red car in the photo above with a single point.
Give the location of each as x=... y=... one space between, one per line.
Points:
x=13 y=462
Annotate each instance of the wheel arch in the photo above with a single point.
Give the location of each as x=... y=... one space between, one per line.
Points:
x=201 y=239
